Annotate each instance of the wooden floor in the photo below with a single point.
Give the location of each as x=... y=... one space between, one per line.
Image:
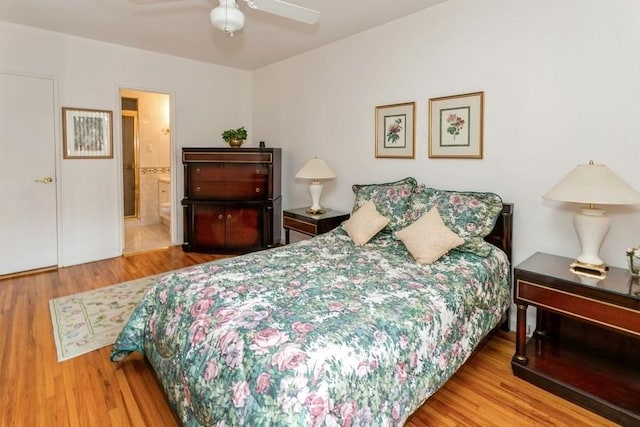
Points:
x=36 y=390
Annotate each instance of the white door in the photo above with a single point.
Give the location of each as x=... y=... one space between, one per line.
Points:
x=28 y=231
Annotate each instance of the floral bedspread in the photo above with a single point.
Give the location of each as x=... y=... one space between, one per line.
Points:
x=320 y=332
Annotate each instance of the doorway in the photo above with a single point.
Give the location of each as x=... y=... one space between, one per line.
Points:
x=146 y=170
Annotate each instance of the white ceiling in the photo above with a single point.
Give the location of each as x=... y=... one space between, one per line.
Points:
x=182 y=27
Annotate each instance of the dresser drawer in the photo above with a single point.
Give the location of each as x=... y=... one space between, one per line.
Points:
x=226 y=156
x=222 y=172
x=578 y=306
x=228 y=182
x=227 y=190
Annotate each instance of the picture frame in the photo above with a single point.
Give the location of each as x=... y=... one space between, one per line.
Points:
x=395 y=131
x=87 y=134
x=456 y=126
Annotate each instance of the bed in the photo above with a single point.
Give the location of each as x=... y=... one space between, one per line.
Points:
x=332 y=330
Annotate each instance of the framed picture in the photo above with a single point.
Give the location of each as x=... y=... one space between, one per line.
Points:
x=87 y=134
x=395 y=134
x=455 y=126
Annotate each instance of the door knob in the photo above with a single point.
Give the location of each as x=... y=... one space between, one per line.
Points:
x=47 y=180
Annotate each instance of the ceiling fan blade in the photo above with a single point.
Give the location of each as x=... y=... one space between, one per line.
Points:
x=286 y=10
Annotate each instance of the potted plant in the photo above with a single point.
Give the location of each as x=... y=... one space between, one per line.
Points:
x=235 y=137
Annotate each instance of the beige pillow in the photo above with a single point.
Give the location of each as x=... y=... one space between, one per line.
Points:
x=427 y=239
x=365 y=223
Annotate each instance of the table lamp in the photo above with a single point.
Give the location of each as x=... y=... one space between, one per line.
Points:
x=592 y=184
x=316 y=170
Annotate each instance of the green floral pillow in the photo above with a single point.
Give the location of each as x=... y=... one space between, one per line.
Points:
x=391 y=200
x=471 y=215
x=421 y=202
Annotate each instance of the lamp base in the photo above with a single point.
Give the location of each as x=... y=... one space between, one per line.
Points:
x=319 y=211
x=591 y=225
x=589 y=270
x=315 y=189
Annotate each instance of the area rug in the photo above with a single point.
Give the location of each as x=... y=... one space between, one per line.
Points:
x=90 y=320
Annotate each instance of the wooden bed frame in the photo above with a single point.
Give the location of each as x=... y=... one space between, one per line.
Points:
x=501 y=237
x=502 y=231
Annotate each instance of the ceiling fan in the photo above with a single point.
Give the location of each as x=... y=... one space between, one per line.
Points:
x=228 y=17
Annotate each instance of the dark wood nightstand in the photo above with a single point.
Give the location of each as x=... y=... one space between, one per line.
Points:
x=586 y=346
x=312 y=225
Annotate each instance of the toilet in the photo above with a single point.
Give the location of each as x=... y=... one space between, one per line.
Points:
x=164 y=200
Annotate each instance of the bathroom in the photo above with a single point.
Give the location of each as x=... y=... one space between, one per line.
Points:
x=146 y=170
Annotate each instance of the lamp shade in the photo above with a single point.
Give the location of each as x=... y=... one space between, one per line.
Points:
x=227 y=17
x=316 y=169
x=593 y=184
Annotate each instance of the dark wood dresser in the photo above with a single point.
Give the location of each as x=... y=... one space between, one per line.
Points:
x=586 y=345
x=232 y=199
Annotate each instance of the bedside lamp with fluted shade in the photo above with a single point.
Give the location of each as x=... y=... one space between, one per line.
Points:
x=592 y=184
x=316 y=170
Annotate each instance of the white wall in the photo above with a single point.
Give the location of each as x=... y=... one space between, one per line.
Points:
x=206 y=100
x=561 y=86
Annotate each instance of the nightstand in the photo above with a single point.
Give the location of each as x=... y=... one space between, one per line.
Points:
x=586 y=345
x=311 y=225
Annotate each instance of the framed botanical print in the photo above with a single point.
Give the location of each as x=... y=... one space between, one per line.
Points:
x=456 y=126
x=395 y=133
x=87 y=134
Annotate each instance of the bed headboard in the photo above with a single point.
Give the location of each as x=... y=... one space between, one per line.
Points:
x=501 y=233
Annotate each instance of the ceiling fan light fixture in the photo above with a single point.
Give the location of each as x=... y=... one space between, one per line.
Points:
x=227 y=17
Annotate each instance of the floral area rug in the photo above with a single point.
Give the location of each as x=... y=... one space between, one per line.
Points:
x=91 y=320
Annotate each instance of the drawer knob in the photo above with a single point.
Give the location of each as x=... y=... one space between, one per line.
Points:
x=197 y=188
x=197 y=170
x=257 y=189
x=220 y=217
x=228 y=216
x=257 y=171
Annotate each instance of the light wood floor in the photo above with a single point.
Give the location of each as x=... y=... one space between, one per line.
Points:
x=36 y=390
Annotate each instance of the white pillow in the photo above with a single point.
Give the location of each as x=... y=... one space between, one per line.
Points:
x=427 y=239
x=365 y=223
